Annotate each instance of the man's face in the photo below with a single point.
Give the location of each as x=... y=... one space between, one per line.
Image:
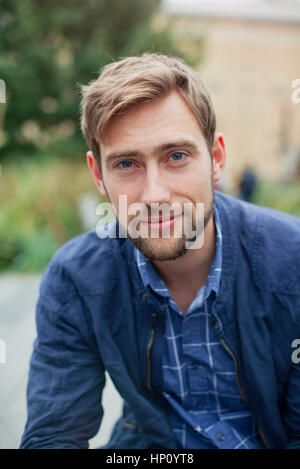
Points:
x=156 y=153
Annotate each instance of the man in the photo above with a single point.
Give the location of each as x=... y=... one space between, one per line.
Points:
x=247 y=184
x=196 y=336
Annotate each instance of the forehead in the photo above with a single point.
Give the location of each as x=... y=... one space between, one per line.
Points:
x=152 y=123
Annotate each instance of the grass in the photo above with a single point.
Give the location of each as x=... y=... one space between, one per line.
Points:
x=39 y=208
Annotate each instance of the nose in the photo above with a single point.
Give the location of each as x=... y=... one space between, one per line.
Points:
x=156 y=187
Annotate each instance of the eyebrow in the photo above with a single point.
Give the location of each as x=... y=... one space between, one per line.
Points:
x=158 y=149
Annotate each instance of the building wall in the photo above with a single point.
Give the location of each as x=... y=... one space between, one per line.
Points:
x=248 y=68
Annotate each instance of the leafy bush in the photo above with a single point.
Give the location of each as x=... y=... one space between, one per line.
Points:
x=39 y=211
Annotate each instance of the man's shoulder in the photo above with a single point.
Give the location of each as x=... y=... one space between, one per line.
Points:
x=246 y=213
x=271 y=240
x=253 y=218
x=87 y=262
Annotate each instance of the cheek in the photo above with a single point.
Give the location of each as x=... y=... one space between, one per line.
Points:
x=123 y=198
x=198 y=183
x=197 y=177
x=198 y=189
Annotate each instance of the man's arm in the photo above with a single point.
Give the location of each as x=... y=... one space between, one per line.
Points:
x=66 y=375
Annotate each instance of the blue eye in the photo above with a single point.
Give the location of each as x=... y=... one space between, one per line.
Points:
x=126 y=164
x=178 y=156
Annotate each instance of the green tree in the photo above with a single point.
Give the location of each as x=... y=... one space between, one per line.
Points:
x=47 y=47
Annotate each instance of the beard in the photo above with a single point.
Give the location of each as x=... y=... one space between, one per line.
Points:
x=171 y=248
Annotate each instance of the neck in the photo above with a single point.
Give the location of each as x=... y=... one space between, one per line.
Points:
x=192 y=268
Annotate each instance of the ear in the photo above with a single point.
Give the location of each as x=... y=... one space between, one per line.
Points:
x=97 y=176
x=219 y=156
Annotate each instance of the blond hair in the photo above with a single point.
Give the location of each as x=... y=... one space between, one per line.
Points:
x=125 y=84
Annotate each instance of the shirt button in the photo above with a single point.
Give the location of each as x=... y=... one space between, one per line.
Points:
x=144 y=296
x=221 y=437
x=199 y=405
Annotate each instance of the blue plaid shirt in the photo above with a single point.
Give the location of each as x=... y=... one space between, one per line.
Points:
x=205 y=407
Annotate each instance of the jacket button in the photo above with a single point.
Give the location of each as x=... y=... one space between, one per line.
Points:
x=144 y=296
x=221 y=436
x=216 y=325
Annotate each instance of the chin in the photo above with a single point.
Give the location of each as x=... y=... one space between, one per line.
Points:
x=161 y=249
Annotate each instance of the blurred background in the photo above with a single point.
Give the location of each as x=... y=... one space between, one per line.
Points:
x=248 y=55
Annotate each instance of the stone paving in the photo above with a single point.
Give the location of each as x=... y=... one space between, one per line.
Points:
x=18 y=296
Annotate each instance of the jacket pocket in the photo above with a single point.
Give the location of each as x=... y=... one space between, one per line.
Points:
x=126 y=435
x=131 y=425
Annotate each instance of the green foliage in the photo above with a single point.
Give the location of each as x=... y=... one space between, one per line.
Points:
x=48 y=47
x=281 y=196
x=39 y=211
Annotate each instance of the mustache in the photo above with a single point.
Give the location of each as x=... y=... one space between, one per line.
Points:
x=157 y=212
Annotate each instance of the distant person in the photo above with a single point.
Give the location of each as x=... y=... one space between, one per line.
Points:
x=247 y=184
x=197 y=329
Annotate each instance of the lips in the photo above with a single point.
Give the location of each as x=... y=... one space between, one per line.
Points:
x=159 y=220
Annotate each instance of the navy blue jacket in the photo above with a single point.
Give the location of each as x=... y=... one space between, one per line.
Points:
x=94 y=314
